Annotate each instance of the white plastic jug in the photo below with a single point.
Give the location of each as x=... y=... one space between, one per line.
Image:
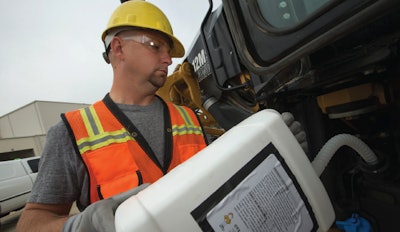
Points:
x=255 y=177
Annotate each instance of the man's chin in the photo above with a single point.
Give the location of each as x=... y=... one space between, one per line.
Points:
x=158 y=83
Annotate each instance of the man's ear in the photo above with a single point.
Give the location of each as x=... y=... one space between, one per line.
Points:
x=116 y=47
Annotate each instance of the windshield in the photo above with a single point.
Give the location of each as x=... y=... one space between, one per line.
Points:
x=288 y=13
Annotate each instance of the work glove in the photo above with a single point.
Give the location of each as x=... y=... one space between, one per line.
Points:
x=99 y=216
x=297 y=130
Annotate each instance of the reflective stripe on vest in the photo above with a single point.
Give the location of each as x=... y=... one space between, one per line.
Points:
x=189 y=127
x=97 y=137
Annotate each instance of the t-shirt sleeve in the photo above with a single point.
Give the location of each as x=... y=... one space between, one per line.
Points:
x=60 y=178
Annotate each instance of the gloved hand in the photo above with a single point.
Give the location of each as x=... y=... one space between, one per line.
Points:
x=99 y=216
x=297 y=130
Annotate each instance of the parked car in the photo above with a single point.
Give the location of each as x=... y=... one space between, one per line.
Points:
x=16 y=181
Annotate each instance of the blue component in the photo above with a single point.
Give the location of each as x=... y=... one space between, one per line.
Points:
x=354 y=224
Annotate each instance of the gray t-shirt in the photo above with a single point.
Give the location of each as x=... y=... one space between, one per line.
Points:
x=62 y=176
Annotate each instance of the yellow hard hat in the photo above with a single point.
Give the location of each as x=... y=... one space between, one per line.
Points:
x=142 y=14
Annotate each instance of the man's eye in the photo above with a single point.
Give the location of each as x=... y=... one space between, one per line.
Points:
x=154 y=46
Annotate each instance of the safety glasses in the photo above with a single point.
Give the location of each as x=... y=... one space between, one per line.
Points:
x=155 y=45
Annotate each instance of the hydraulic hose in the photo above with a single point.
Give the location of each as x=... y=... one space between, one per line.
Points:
x=329 y=149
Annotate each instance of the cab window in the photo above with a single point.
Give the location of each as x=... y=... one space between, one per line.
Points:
x=288 y=13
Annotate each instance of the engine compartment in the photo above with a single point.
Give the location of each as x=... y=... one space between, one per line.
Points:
x=351 y=86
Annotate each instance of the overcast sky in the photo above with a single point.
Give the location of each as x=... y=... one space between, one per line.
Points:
x=51 y=49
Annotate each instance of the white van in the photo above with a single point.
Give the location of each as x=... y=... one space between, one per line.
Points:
x=16 y=181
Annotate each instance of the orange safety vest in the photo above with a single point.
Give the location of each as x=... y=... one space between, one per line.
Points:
x=116 y=155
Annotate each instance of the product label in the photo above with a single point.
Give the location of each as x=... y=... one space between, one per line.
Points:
x=265 y=201
x=262 y=196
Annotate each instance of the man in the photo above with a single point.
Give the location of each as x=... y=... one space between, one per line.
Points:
x=101 y=155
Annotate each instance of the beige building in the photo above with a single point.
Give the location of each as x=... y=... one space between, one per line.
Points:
x=23 y=131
